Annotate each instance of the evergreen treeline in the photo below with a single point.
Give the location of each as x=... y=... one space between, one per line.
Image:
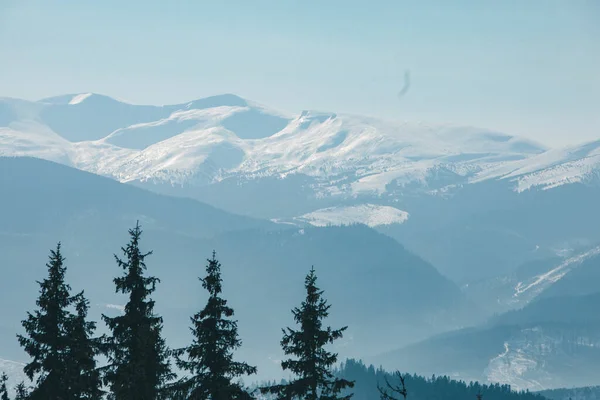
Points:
x=64 y=350
x=582 y=393
x=418 y=388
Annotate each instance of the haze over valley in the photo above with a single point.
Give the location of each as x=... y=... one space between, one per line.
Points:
x=456 y=237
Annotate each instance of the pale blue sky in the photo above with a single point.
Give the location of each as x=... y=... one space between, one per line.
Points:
x=526 y=67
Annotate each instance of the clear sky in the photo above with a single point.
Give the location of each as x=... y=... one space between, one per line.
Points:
x=525 y=67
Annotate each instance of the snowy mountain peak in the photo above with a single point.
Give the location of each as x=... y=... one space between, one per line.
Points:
x=226 y=136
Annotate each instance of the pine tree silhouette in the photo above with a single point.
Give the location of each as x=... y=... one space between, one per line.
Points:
x=59 y=342
x=209 y=359
x=138 y=357
x=22 y=392
x=85 y=381
x=313 y=363
x=3 y=389
x=47 y=338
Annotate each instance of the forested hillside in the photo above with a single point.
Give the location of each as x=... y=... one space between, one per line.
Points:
x=420 y=388
x=583 y=393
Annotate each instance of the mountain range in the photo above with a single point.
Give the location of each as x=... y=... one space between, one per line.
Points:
x=366 y=275
x=436 y=189
x=457 y=226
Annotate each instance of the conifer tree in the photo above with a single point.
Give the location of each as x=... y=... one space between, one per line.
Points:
x=22 y=392
x=46 y=341
x=138 y=357
x=209 y=359
x=313 y=363
x=3 y=388
x=59 y=341
x=84 y=377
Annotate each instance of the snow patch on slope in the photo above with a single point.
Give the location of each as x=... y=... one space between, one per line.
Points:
x=367 y=214
x=570 y=172
x=142 y=135
x=537 y=284
x=14 y=371
x=517 y=366
x=548 y=170
x=80 y=98
x=530 y=354
x=32 y=139
x=200 y=154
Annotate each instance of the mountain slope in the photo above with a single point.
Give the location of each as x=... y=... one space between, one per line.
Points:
x=367 y=276
x=573 y=275
x=551 y=343
x=582 y=280
x=39 y=195
x=552 y=340
x=324 y=146
x=463 y=187
x=551 y=169
x=582 y=393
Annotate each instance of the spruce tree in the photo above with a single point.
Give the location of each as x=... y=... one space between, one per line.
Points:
x=138 y=357
x=22 y=392
x=59 y=341
x=84 y=377
x=46 y=341
x=209 y=359
x=3 y=388
x=313 y=363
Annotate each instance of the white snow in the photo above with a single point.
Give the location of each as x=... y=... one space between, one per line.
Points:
x=532 y=287
x=513 y=366
x=32 y=139
x=550 y=169
x=79 y=98
x=367 y=214
x=528 y=356
x=14 y=371
x=324 y=148
x=346 y=155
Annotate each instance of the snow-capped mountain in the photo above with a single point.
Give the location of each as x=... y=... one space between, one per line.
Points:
x=474 y=203
x=209 y=140
x=550 y=169
x=213 y=139
x=327 y=168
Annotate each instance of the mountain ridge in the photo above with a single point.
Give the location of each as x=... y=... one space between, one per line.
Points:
x=519 y=161
x=46 y=202
x=248 y=159
x=357 y=129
